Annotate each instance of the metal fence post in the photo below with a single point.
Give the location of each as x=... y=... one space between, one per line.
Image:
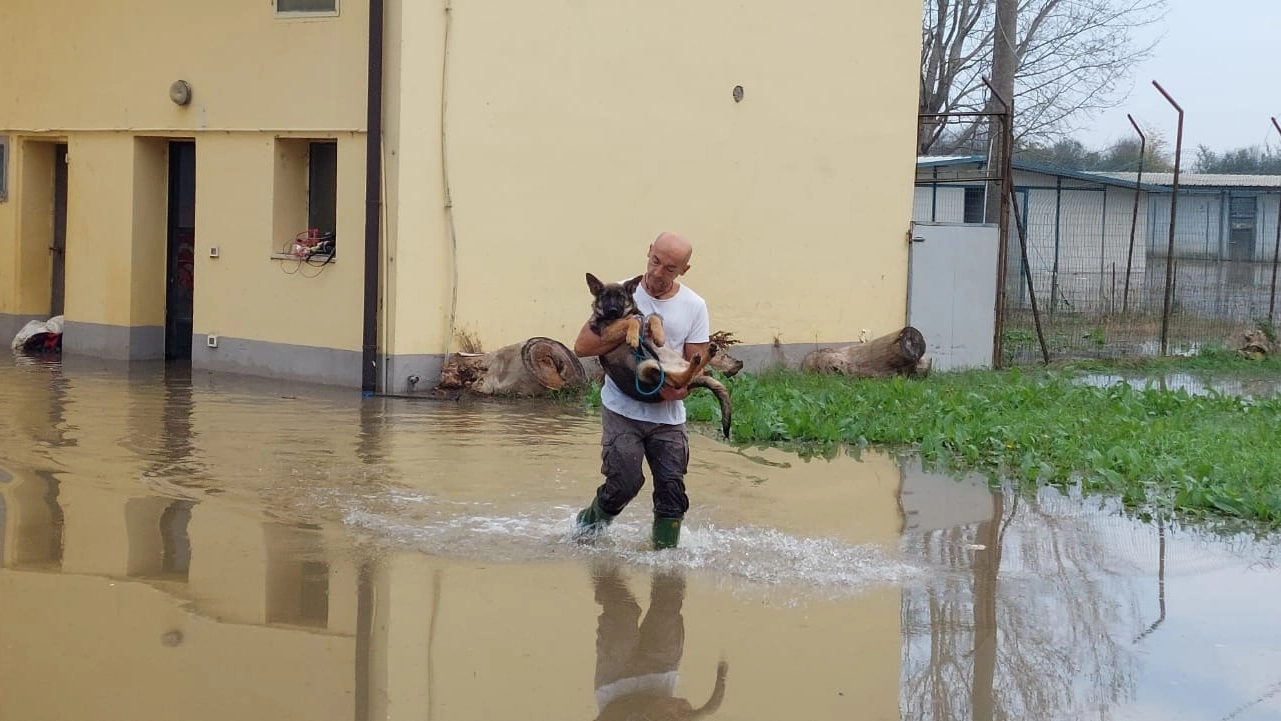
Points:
x=1134 y=216
x=1276 y=250
x=1006 y=160
x=1174 y=202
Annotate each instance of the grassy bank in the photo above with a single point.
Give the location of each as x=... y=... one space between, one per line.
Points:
x=1209 y=455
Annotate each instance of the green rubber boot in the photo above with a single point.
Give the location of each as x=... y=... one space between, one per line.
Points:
x=592 y=520
x=667 y=532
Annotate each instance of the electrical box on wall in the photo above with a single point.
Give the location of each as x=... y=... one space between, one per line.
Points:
x=211 y=340
x=213 y=251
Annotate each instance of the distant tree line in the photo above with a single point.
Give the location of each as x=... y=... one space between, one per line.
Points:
x=1123 y=155
x=1246 y=161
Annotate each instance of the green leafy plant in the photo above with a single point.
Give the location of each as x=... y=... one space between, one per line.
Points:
x=1159 y=450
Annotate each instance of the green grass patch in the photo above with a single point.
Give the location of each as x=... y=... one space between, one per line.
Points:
x=1160 y=451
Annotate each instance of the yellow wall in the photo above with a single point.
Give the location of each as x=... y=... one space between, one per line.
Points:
x=108 y=66
x=575 y=132
x=243 y=293
x=418 y=275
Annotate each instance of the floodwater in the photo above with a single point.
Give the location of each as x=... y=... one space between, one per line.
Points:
x=1190 y=383
x=179 y=545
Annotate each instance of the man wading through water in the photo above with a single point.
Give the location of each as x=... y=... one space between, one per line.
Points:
x=633 y=430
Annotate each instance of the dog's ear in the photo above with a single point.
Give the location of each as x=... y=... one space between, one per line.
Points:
x=631 y=285
x=594 y=284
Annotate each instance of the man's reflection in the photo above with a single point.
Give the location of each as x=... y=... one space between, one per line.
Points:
x=637 y=661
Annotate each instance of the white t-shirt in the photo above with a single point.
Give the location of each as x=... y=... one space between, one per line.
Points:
x=685 y=320
x=662 y=685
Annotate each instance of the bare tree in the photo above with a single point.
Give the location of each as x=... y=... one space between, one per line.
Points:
x=1073 y=59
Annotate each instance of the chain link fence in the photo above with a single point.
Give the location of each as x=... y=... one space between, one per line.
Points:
x=1101 y=295
x=1097 y=249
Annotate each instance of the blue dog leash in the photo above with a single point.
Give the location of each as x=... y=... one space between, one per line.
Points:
x=640 y=356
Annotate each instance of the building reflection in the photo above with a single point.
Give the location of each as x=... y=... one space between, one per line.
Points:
x=159 y=607
x=33 y=522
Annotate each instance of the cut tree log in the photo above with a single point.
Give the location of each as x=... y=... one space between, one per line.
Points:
x=530 y=368
x=899 y=353
x=1254 y=344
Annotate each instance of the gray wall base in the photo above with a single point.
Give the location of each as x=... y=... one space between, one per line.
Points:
x=397 y=372
x=329 y=366
x=113 y=342
x=324 y=365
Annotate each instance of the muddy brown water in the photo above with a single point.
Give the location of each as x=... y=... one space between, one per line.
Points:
x=179 y=545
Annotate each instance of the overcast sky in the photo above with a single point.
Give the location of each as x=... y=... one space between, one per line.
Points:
x=1221 y=60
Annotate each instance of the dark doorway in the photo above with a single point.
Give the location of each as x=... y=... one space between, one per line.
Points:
x=1242 y=211
x=58 y=248
x=179 y=305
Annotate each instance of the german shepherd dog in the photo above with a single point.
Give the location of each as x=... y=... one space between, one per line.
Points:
x=643 y=362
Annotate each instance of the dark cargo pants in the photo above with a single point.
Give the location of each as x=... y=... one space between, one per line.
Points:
x=625 y=443
x=625 y=649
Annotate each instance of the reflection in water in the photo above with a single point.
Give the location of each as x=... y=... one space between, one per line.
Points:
x=1190 y=383
x=308 y=586
x=1160 y=584
x=34 y=523
x=1053 y=609
x=998 y=644
x=175 y=558
x=298 y=577
x=637 y=666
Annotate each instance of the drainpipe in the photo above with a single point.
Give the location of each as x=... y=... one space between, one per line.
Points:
x=373 y=199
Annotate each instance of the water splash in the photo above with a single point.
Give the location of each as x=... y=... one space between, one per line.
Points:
x=744 y=558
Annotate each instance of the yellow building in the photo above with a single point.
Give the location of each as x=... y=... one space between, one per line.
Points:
x=159 y=160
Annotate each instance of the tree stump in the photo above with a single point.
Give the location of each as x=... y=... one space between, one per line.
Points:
x=1254 y=345
x=899 y=353
x=530 y=368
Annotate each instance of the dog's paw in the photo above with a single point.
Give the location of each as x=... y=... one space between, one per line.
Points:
x=633 y=333
x=654 y=324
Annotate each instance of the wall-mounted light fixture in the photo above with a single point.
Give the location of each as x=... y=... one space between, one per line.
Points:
x=180 y=92
x=738 y=93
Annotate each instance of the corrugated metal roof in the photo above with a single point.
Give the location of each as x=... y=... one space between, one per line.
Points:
x=1203 y=180
x=929 y=161
x=1153 y=182
x=1088 y=176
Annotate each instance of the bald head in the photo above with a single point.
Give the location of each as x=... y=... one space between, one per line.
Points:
x=674 y=245
x=668 y=260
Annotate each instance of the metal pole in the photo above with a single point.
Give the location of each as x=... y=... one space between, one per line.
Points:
x=1174 y=203
x=1027 y=273
x=1276 y=250
x=1058 y=225
x=1134 y=216
x=1103 y=249
x=1003 y=223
